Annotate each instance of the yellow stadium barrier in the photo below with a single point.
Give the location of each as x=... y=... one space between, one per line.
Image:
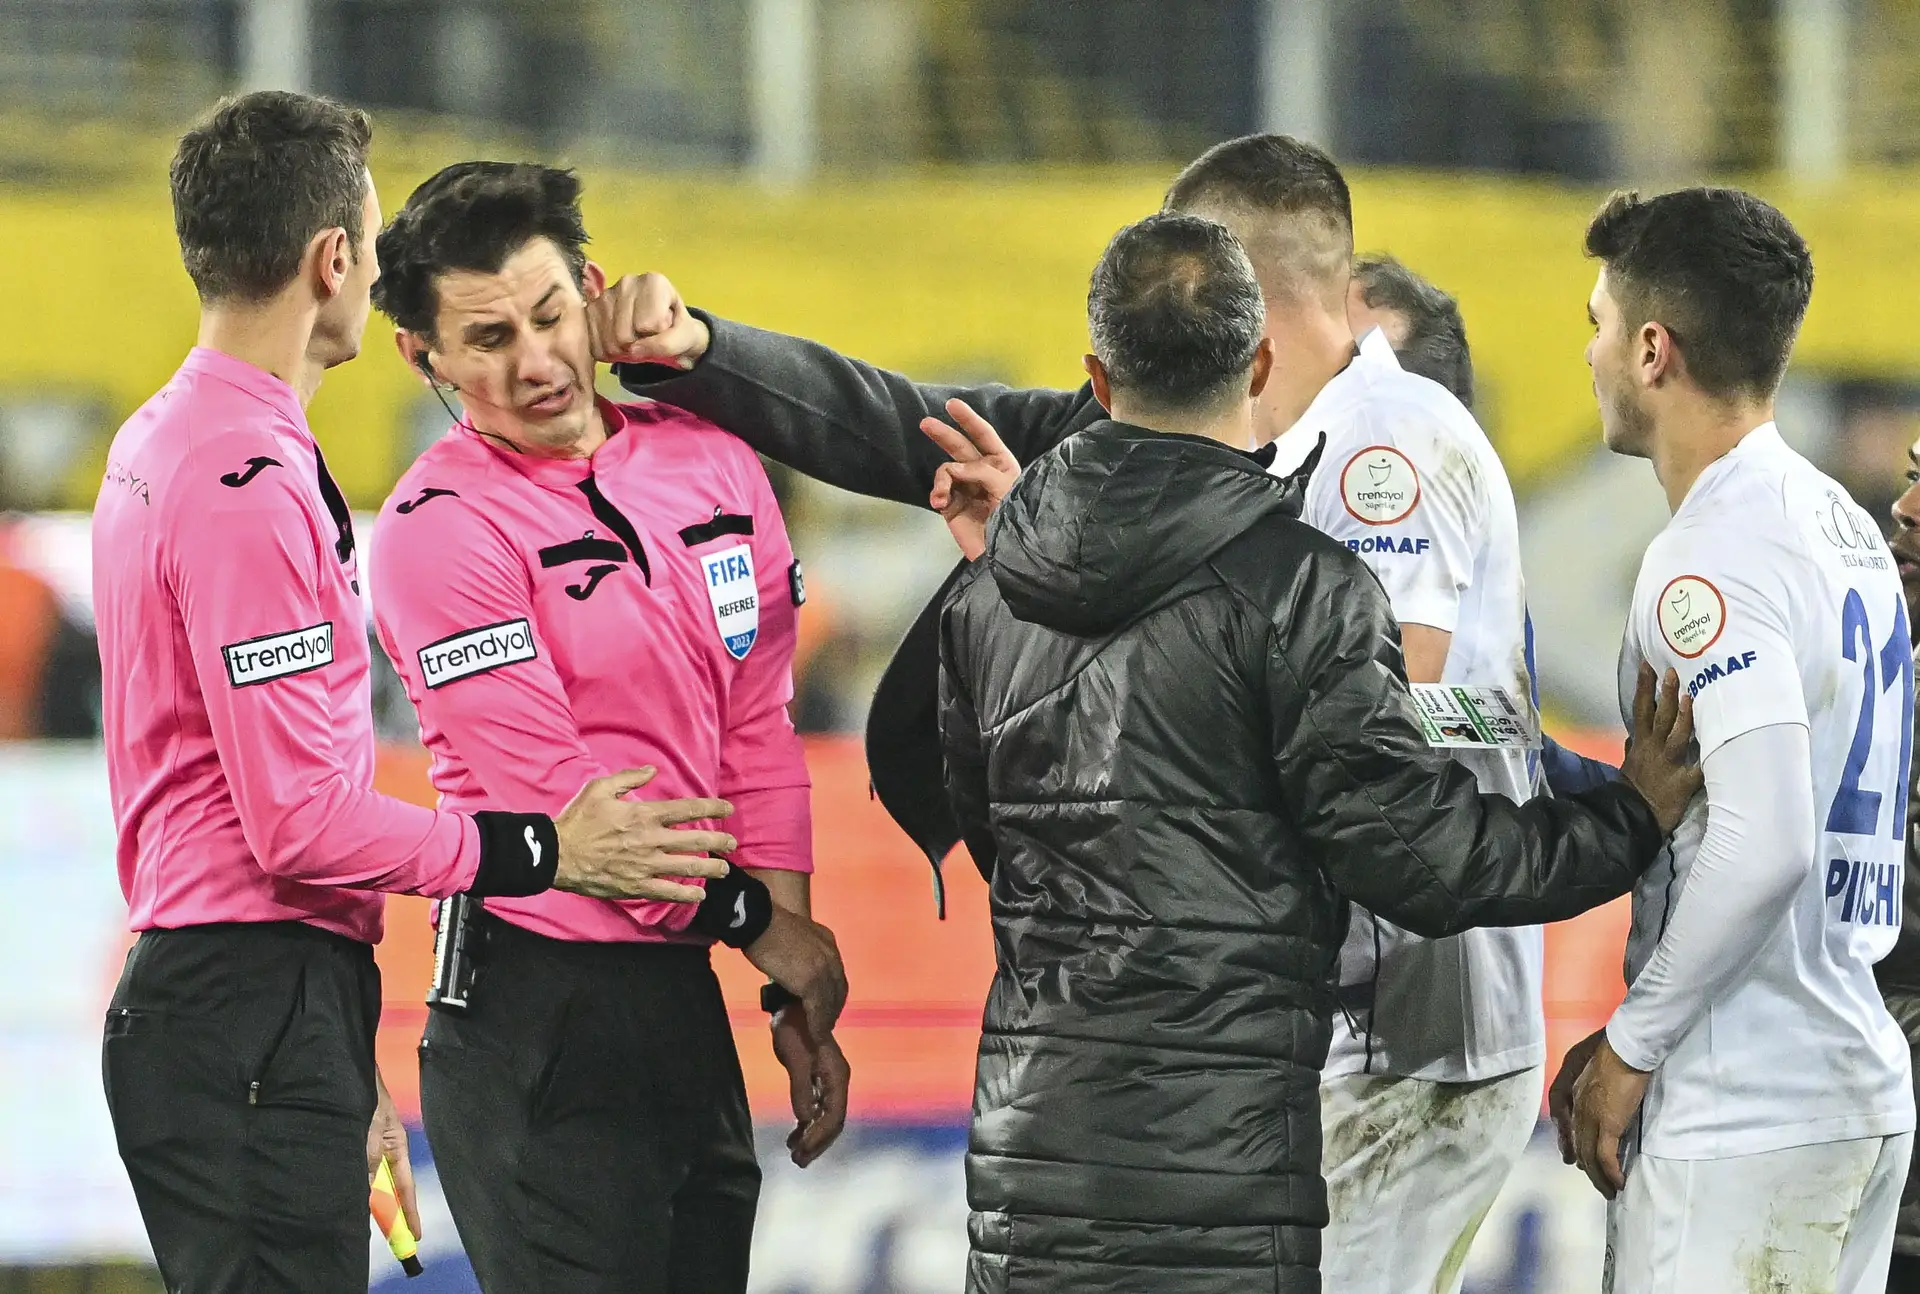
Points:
x=946 y=274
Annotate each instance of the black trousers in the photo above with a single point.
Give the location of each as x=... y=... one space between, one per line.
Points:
x=589 y=1120
x=239 y=1073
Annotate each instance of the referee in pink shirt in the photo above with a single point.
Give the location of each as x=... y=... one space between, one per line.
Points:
x=567 y=586
x=253 y=852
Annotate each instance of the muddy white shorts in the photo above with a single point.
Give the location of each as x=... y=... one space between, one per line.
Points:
x=1816 y=1218
x=1412 y=1167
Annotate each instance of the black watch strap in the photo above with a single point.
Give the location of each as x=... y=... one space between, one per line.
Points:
x=774 y=998
x=518 y=854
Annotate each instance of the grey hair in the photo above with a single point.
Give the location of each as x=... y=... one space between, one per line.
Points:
x=1175 y=312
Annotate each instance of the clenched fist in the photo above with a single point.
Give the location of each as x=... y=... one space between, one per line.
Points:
x=641 y=320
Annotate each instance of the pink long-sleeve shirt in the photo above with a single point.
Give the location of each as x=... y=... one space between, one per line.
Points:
x=234 y=667
x=556 y=620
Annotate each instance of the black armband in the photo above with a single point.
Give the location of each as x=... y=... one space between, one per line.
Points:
x=775 y=998
x=737 y=910
x=518 y=854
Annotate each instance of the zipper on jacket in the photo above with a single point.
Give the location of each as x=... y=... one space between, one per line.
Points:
x=1373 y=1009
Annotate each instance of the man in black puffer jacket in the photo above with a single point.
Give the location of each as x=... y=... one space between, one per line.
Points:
x=1179 y=739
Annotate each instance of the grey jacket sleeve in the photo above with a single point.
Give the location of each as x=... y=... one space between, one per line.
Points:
x=961 y=742
x=841 y=421
x=1401 y=829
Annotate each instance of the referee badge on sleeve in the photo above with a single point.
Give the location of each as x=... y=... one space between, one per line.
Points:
x=735 y=598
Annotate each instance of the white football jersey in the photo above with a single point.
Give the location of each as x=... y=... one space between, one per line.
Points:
x=1773 y=595
x=1410 y=482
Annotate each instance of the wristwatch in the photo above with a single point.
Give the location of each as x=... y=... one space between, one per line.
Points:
x=773 y=998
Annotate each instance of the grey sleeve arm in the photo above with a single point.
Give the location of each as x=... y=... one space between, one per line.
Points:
x=842 y=421
x=1402 y=830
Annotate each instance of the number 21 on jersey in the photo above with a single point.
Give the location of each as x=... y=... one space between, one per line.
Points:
x=1868 y=892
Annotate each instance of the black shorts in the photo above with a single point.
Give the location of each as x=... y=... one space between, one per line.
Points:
x=589 y=1121
x=240 y=1078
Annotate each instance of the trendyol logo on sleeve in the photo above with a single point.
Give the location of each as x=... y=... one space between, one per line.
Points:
x=1379 y=486
x=1692 y=615
x=476 y=651
x=261 y=660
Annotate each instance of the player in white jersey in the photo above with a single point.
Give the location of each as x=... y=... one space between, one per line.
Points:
x=1747 y=1110
x=1433 y=1082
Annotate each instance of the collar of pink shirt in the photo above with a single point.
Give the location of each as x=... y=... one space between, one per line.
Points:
x=204 y=361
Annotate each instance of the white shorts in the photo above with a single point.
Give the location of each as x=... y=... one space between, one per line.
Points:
x=1817 y=1218
x=1412 y=1167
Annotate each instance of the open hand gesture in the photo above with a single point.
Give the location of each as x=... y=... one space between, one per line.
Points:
x=967 y=490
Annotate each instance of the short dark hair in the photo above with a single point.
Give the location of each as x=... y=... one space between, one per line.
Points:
x=257 y=179
x=1175 y=312
x=1287 y=203
x=1726 y=273
x=474 y=216
x=1268 y=173
x=1436 y=343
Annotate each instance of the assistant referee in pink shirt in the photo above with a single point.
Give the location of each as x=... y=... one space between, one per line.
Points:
x=253 y=851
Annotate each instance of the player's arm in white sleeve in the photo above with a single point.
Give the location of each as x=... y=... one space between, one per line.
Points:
x=1716 y=612
x=1756 y=853
x=1719 y=618
x=1413 y=513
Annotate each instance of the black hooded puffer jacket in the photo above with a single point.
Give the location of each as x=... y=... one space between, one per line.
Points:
x=1179 y=739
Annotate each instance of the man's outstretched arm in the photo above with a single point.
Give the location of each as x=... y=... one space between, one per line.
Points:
x=1404 y=831
x=819 y=412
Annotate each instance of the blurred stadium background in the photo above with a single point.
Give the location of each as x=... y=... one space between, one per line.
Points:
x=923 y=183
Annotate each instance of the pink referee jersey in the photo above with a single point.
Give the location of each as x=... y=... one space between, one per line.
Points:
x=555 y=620
x=234 y=664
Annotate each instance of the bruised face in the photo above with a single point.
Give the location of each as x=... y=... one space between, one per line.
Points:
x=515 y=343
x=1624 y=421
